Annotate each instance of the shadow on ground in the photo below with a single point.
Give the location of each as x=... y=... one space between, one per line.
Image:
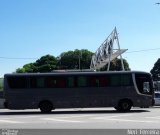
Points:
x=74 y=111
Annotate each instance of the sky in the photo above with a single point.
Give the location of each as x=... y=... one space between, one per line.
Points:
x=30 y=29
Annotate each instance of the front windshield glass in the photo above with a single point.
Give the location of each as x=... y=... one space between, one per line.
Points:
x=144 y=83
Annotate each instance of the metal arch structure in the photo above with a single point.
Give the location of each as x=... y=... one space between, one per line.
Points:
x=107 y=52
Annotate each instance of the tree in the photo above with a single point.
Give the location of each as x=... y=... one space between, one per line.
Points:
x=27 y=68
x=115 y=65
x=20 y=70
x=46 y=63
x=77 y=59
x=156 y=71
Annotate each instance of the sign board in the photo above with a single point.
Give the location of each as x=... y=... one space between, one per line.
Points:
x=107 y=52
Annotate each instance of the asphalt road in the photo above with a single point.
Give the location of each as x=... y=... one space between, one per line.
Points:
x=103 y=118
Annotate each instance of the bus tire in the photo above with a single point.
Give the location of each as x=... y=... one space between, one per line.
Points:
x=124 y=105
x=45 y=106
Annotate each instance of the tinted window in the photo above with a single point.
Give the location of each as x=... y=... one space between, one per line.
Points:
x=17 y=82
x=55 y=82
x=111 y=80
x=126 y=80
x=37 y=82
x=47 y=82
x=99 y=81
x=121 y=80
x=115 y=80
x=81 y=81
x=70 y=82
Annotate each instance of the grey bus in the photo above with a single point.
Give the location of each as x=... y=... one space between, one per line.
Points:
x=47 y=91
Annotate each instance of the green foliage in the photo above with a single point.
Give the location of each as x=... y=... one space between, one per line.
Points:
x=156 y=71
x=27 y=68
x=44 y=64
x=77 y=59
x=115 y=65
x=1 y=84
x=20 y=70
x=74 y=59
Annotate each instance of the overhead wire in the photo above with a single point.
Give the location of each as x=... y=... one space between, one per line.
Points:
x=25 y=58
x=17 y=58
x=153 y=49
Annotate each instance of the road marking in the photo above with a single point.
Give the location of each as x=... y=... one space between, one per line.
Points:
x=10 y=121
x=62 y=120
x=137 y=121
x=79 y=116
x=26 y=117
x=114 y=116
x=157 y=117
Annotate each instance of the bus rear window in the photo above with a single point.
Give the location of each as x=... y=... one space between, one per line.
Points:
x=17 y=82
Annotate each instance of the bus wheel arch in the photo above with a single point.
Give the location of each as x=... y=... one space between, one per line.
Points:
x=124 y=105
x=45 y=106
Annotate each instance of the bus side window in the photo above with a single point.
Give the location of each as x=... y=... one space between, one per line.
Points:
x=37 y=82
x=94 y=81
x=115 y=80
x=17 y=82
x=70 y=82
x=40 y=82
x=61 y=82
x=50 y=82
x=82 y=81
x=121 y=80
x=126 y=80
x=104 y=81
x=99 y=81
x=55 y=82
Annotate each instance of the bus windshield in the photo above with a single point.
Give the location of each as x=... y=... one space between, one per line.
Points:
x=144 y=83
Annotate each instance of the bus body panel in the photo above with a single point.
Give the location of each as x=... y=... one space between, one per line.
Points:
x=76 y=97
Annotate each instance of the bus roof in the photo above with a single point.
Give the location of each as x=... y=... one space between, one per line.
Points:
x=76 y=73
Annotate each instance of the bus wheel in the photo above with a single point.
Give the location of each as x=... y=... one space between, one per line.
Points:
x=124 y=105
x=45 y=106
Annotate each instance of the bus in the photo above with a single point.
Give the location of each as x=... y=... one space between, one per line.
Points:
x=48 y=91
